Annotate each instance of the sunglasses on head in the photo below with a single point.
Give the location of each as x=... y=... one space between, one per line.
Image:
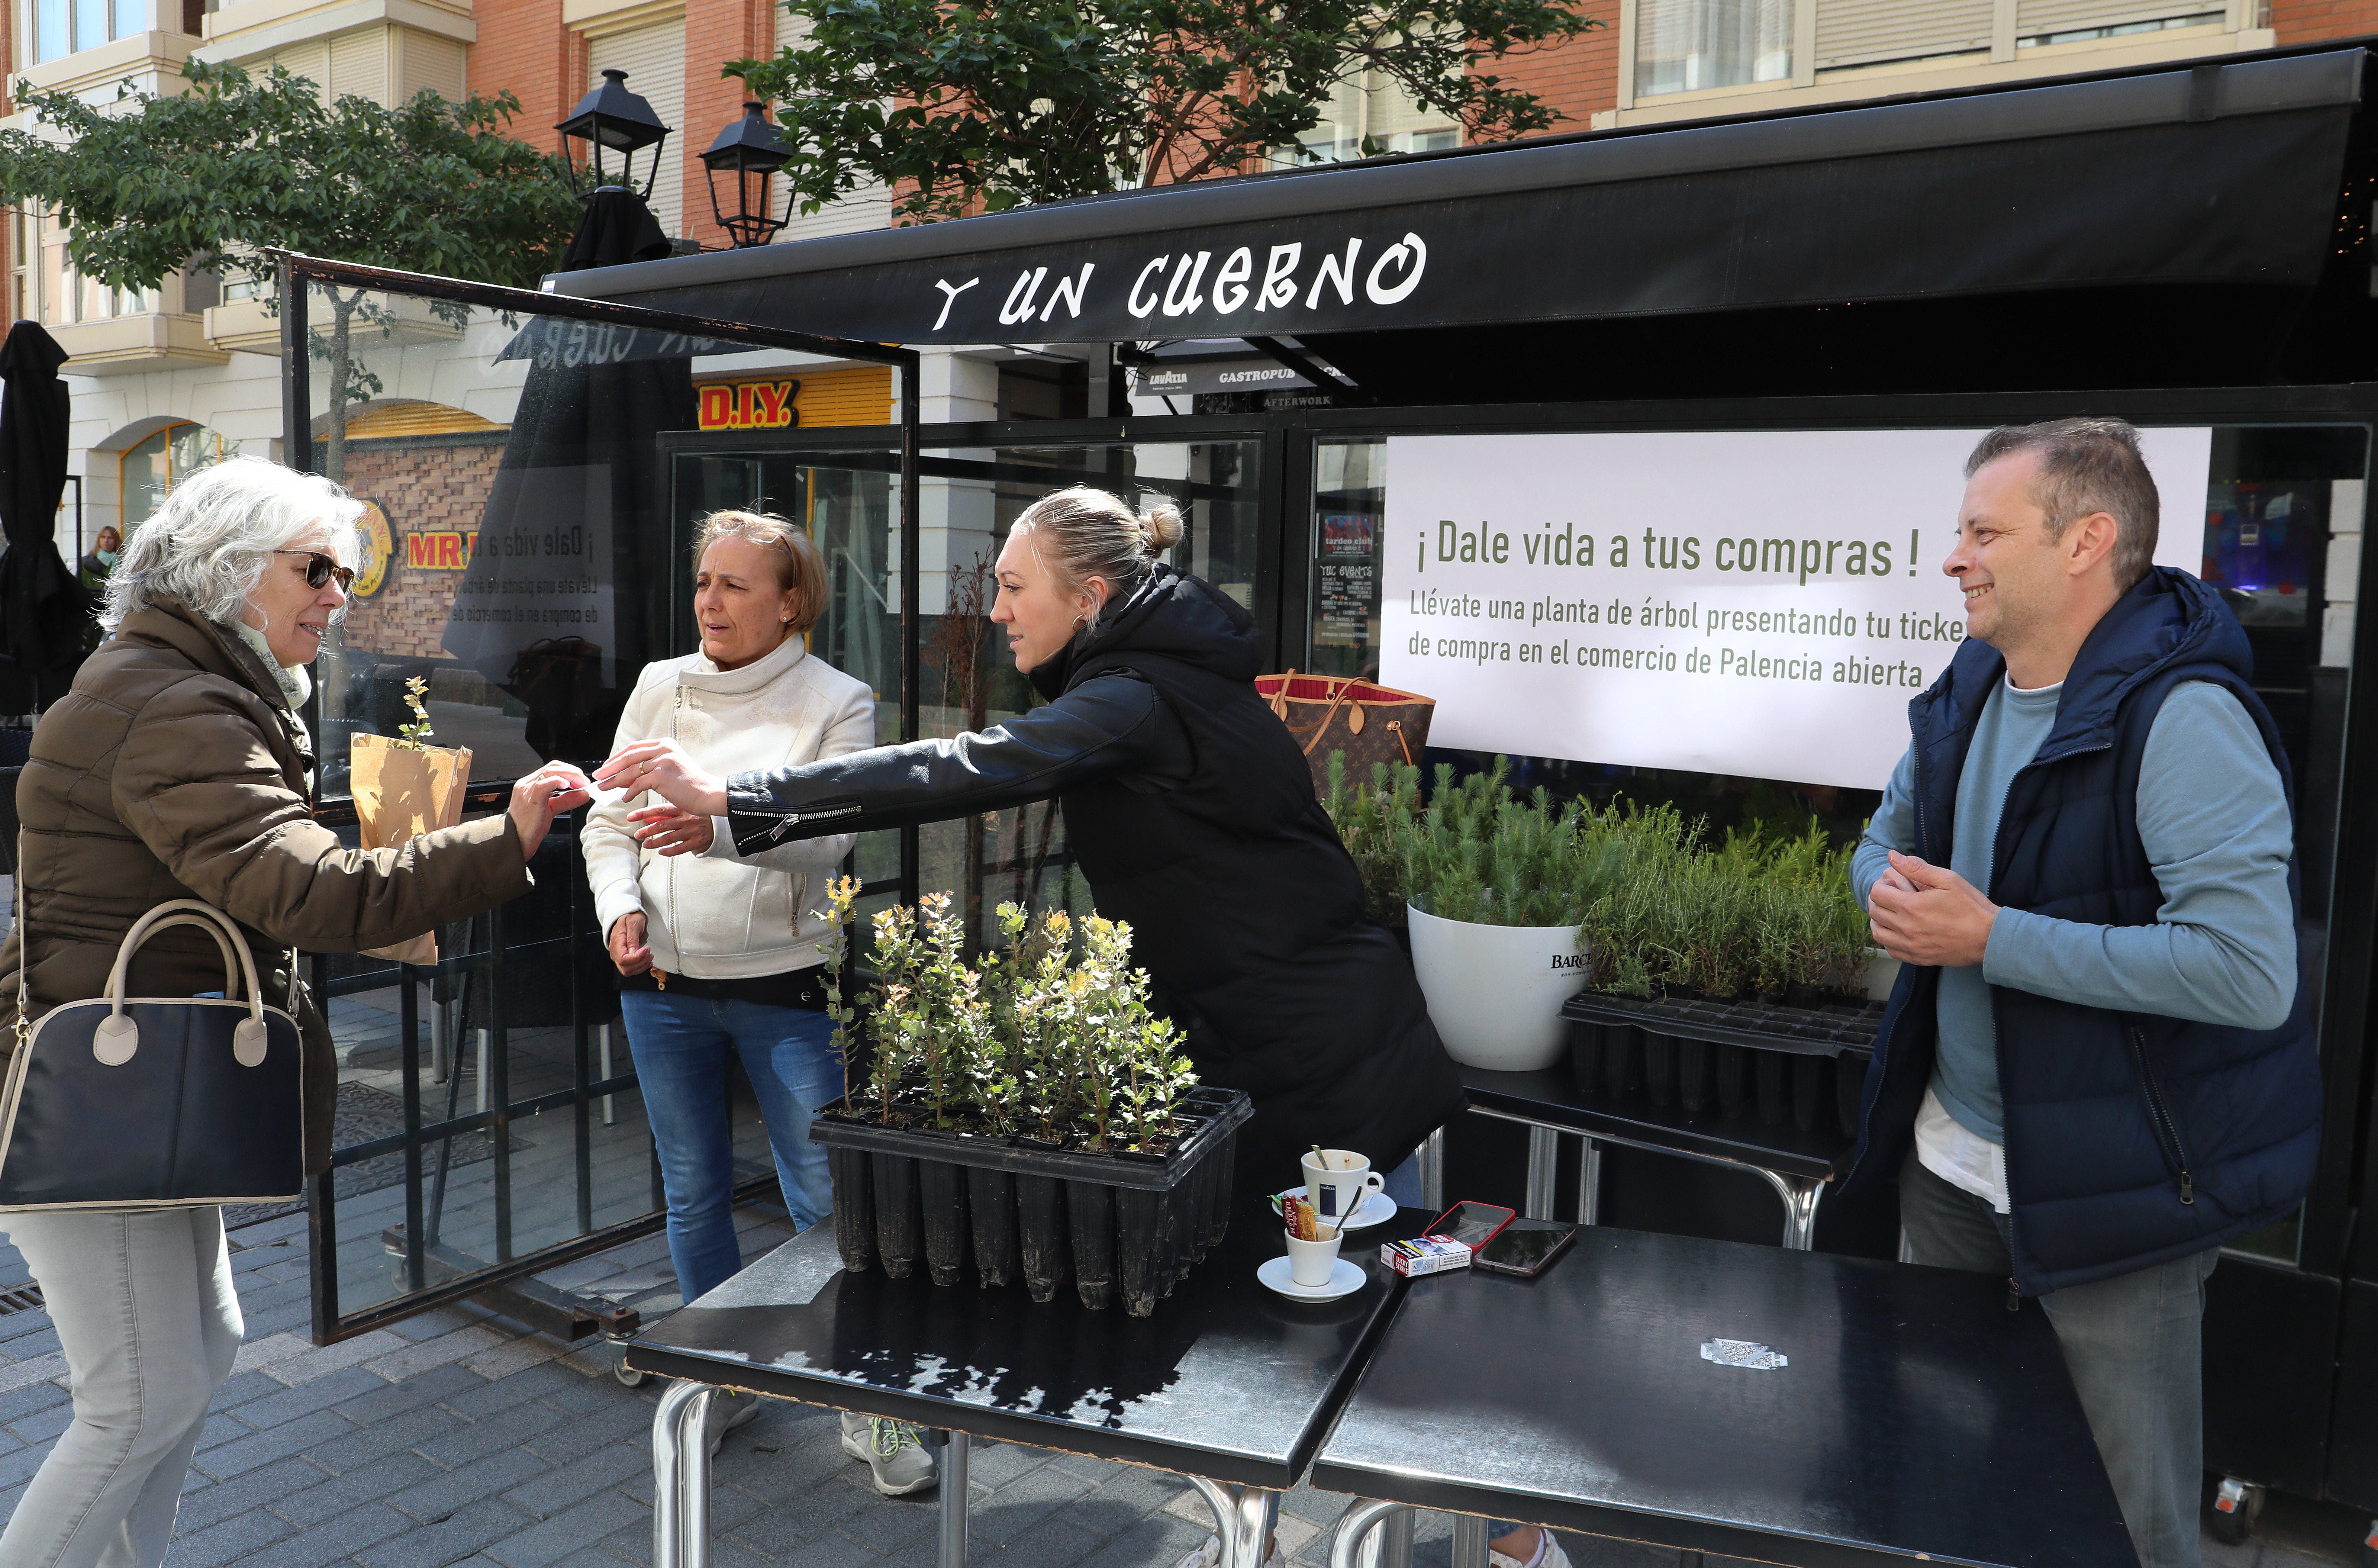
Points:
x=320 y=569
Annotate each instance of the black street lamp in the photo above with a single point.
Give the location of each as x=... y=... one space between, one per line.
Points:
x=749 y=149
x=611 y=117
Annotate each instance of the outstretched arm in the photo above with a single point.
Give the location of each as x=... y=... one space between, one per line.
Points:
x=1103 y=726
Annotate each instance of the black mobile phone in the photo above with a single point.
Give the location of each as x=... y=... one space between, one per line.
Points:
x=1526 y=1247
x=1472 y=1224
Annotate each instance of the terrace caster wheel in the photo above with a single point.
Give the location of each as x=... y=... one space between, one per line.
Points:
x=2235 y=1505
x=627 y=1376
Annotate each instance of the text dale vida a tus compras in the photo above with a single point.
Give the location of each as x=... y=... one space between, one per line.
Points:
x=1772 y=562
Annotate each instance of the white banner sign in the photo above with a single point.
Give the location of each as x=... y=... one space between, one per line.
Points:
x=1759 y=603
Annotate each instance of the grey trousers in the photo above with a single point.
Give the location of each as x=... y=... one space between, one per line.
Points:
x=2132 y=1345
x=146 y=1313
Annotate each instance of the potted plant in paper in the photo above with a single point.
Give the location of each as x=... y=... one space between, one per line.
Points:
x=404 y=788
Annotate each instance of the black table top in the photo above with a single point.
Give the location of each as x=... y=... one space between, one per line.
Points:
x=1551 y=1097
x=1225 y=1380
x=1917 y=1415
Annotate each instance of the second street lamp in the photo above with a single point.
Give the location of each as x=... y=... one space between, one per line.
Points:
x=610 y=116
x=747 y=151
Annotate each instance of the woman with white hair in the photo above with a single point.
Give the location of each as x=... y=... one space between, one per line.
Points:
x=178 y=767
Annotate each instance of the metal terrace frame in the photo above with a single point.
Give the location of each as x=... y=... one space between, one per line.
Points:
x=506 y=1275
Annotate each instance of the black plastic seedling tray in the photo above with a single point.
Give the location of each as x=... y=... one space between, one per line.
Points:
x=1785 y=1062
x=1116 y=1224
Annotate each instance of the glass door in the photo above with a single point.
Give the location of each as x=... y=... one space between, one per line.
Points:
x=523 y=561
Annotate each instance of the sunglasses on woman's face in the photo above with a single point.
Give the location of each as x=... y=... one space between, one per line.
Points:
x=320 y=569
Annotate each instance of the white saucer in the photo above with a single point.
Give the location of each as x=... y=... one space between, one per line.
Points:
x=1344 y=1280
x=1377 y=1209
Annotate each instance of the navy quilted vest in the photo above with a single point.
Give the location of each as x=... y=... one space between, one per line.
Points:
x=2131 y=1138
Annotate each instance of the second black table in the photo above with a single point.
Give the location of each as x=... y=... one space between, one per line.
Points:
x=1913 y=1416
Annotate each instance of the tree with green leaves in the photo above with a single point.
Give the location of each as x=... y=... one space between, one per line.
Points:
x=977 y=106
x=238 y=162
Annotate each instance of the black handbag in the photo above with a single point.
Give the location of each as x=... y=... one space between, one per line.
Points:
x=154 y=1102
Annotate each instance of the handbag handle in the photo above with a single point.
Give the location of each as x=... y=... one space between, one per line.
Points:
x=223 y=943
x=117 y=1037
x=1337 y=700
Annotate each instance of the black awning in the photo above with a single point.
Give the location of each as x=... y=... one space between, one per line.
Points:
x=2214 y=176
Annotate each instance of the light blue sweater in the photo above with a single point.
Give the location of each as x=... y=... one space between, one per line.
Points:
x=2214 y=820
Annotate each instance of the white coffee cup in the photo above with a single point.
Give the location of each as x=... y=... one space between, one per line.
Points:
x=1337 y=1187
x=1311 y=1262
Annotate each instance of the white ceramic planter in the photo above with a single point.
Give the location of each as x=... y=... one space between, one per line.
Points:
x=1496 y=990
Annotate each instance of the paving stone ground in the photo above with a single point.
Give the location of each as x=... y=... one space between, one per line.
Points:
x=461 y=1438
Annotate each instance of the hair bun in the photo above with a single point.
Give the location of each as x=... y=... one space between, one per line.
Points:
x=1161 y=526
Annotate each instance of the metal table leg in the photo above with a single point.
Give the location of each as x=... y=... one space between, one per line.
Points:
x=1431 y=1173
x=1364 y=1535
x=681 y=1477
x=1468 y=1541
x=954 y=1458
x=1544 y=1167
x=1589 y=1184
x=1801 y=1195
x=1244 y=1518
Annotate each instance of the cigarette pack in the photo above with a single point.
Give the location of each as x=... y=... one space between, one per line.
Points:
x=1424 y=1255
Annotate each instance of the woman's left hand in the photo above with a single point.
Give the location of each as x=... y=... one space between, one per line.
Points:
x=665 y=768
x=668 y=831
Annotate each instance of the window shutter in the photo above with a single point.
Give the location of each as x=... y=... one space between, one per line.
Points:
x=2035 y=17
x=868 y=207
x=434 y=63
x=1859 y=32
x=311 y=61
x=358 y=66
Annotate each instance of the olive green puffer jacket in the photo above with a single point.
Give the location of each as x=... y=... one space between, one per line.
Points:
x=174 y=769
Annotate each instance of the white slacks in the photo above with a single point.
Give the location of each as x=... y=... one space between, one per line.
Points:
x=146 y=1313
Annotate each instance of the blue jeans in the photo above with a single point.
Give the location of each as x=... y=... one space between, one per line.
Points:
x=679 y=1044
x=2132 y=1345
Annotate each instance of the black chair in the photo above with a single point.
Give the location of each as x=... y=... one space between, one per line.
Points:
x=16 y=747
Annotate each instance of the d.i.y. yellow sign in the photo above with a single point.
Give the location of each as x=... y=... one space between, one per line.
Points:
x=748 y=406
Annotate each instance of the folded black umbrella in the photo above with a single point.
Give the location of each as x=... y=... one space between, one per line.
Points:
x=579 y=498
x=44 y=608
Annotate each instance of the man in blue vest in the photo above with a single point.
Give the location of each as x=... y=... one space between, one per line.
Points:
x=2097 y=1065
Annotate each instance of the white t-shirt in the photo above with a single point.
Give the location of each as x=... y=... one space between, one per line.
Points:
x=1964 y=1159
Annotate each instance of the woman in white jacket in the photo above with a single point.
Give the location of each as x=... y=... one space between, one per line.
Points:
x=717 y=952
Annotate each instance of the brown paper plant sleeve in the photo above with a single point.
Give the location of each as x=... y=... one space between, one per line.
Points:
x=400 y=793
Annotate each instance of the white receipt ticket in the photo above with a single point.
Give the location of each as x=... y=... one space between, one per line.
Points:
x=1743 y=1353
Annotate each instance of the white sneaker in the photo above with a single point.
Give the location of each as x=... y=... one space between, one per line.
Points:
x=728 y=1411
x=1548 y=1555
x=894 y=1450
x=1210 y=1555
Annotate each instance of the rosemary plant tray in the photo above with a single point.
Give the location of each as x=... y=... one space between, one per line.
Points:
x=1776 y=1061
x=1116 y=1224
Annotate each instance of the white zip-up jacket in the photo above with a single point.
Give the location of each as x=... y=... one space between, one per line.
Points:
x=719 y=915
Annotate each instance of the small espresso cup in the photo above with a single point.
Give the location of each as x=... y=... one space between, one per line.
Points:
x=1311 y=1263
x=1338 y=1188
